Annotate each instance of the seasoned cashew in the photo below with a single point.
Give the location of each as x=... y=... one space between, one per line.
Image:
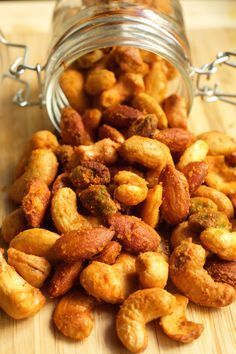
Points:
x=88 y=60
x=17 y=298
x=201 y=204
x=110 y=283
x=220 y=242
x=156 y=81
x=152 y=269
x=219 y=143
x=205 y=219
x=151 y=206
x=189 y=276
x=13 y=223
x=176 y=325
x=196 y=152
x=130 y=60
x=99 y=80
x=42 y=165
x=182 y=232
x=140 y=308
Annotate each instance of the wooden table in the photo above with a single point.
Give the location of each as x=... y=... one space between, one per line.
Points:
x=211 y=26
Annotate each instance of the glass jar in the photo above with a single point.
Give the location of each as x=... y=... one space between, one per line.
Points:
x=80 y=27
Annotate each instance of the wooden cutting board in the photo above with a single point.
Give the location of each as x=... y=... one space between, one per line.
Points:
x=28 y=23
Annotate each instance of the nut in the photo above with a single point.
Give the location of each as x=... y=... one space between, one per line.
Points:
x=176 y=325
x=84 y=244
x=62 y=181
x=222 y=271
x=134 y=235
x=110 y=283
x=196 y=152
x=64 y=153
x=189 y=276
x=176 y=198
x=13 y=224
x=152 y=269
x=106 y=131
x=201 y=204
x=73 y=315
x=92 y=118
x=205 y=219
x=88 y=60
x=231 y=159
x=150 y=208
x=99 y=80
x=64 y=278
x=219 y=143
x=121 y=116
x=156 y=82
x=33 y=269
x=221 y=242
x=144 y=127
x=130 y=60
x=176 y=139
x=183 y=232
x=148 y=104
x=175 y=109
x=220 y=199
x=35 y=202
x=195 y=173
x=88 y=173
x=109 y=253
x=141 y=307
x=130 y=189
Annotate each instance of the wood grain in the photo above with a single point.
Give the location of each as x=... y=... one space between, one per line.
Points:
x=37 y=335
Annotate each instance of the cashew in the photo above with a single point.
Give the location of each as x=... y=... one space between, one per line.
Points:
x=92 y=119
x=42 y=165
x=88 y=60
x=110 y=283
x=140 y=308
x=182 y=232
x=220 y=242
x=175 y=109
x=152 y=270
x=33 y=269
x=205 y=219
x=13 y=223
x=99 y=80
x=220 y=199
x=150 y=208
x=130 y=189
x=130 y=60
x=156 y=81
x=196 y=152
x=219 y=143
x=176 y=325
x=189 y=276
x=202 y=204
x=17 y=298
x=73 y=315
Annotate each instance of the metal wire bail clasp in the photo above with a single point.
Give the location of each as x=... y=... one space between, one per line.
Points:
x=209 y=93
x=17 y=69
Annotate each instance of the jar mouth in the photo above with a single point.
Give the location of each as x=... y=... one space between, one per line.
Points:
x=103 y=26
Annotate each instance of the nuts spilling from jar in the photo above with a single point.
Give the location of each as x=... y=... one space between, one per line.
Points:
x=93 y=206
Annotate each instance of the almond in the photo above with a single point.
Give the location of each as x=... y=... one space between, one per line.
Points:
x=176 y=139
x=176 y=198
x=121 y=116
x=195 y=173
x=222 y=271
x=75 y=245
x=135 y=235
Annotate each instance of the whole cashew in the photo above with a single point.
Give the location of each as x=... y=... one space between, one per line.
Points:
x=140 y=308
x=42 y=165
x=189 y=276
x=17 y=298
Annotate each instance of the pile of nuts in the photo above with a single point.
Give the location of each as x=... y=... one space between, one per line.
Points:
x=123 y=201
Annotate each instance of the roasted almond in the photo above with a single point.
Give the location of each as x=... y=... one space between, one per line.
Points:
x=121 y=116
x=176 y=139
x=195 y=173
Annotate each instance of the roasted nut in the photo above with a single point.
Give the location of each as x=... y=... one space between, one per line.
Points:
x=195 y=173
x=219 y=143
x=88 y=173
x=35 y=202
x=42 y=165
x=64 y=153
x=176 y=139
x=109 y=253
x=88 y=60
x=118 y=167
x=75 y=245
x=176 y=325
x=33 y=269
x=220 y=242
x=189 y=276
x=205 y=219
x=106 y=131
x=148 y=57
x=130 y=189
x=92 y=118
x=221 y=176
x=147 y=152
x=110 y=283
x=220 y=199
x=183 y=232
x=152 y=269
x=37 y=242
x=231 y=159
x=62 y=181
x=73 y=315
x=130 y=60
x=195 y=152
x=222 y=271
x=99 y=80
x=141 y=307
x=150 y=208
x=72 y=84
x=156 y=81
x=201 y=204
x=17 y=298
x=98 y=201
x=134 y=235
x=148 y=104
x=64 y=278
x=13 y=224
x=175 y=109
x=72 y=128
x=144 y=127
x=176 y=198
x=121 y=116
x=170 y=70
